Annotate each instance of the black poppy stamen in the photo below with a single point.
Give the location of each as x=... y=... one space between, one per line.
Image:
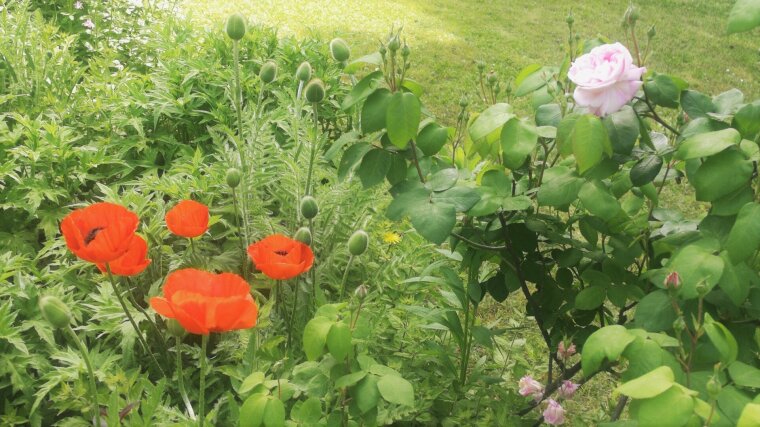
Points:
x=281 y=253
x=91 y=235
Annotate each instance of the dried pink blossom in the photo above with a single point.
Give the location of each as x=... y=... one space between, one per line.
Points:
x=554 y=414
x=530 y=387
x=567 y=389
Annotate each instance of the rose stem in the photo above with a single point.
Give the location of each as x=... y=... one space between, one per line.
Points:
x=90 y=372
x=132 y=320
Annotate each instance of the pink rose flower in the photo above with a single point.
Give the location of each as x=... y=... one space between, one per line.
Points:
x=565 y=353
x=567 y=389
x=530 y=387
x=554 y=414
x=606 y=78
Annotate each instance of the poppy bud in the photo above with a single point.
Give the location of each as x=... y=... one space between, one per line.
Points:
x=309 y=207
x=361 y=292
x=358 y=242
x=233 y=177
x=652 y=32
x=464 y=102
x=304 y=71
x=55 y=312
x=315 y=91
x=491 y=78
x=236 y=26
x=175 y=329
x=303 y=235
x=481 y=66
x=570 y=19
x=268 y=72
x=339 y=50
x=394 y=44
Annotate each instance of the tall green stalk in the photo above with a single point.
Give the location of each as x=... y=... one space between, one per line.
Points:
x=181 y=379
x=132 y=320
x=202 y=389
x=90 y=373
x=241 y=152
x=309 y=187
x=345 y=277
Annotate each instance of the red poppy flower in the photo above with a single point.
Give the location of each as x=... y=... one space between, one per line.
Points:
x=99 y=233
x=133 y=262
x=280 y=257
x=204 y=302
x=188 y=219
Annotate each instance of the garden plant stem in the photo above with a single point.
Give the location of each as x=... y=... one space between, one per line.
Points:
x=90 y=373
x=181 y=379
x=202 y=389
x=345 y=277
x=132 y=320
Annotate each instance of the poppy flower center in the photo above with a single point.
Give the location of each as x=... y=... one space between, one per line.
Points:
x=91 y=235
x=281 y=253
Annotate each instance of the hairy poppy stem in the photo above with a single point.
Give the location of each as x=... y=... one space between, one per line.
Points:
x=313 y=155
x=202 y=391
x=244 y=240
x=181 y=379
x=90 y=373
x=293 y=313
x=132 y=320
x=345 y=277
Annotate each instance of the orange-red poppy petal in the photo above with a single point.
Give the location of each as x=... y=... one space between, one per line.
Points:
x=101 y=232
x=188 y=219
x=133 y=262
x=280 y=257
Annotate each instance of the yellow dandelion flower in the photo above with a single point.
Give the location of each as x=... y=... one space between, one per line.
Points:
x=391 y=238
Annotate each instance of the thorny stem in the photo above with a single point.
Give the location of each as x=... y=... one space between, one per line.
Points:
x=132 y=320
x=90 y=373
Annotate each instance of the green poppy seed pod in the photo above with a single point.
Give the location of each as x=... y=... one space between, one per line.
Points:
x=394 y=44
x=236 y=26
x=303 y=73
x=570 y=19
x=303 y=235
x=315 y=91
x=309 y=207
x=55 y=312
x=175 y=329
x=481 y=66
x=233 y=177
x=339 y=50
x=652 y=32
x=268 y=72
x=358 y=242
x=713 y=388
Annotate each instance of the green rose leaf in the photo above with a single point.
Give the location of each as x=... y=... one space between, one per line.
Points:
x=623 y=129
x=695 y=265
x=274 y=413
x=648 y=385
x=590 y=298
x=443 y=179
x=462 y=198
x=655 y=312
x=696 y=104
x=662 y=90
x=362 y=90
x=315 y=336
x=589 y=142
x=489 y=120
x=721 y=174
x=744 y=238
x=432 y=138
x=395 y=389
x=402 y=118
x=374 y=167
x=750 y=416
x=351 y=159
x=707 y=144
x=598 y=200
x=606 y=343
x=366 y=394
x=560 y=187
x=744 y=16
x=434 y=221
x=518 y=140
x=669 y=409
x=722 y=339
x=744 y=375
x=374 y=111
x=646 y=170
x=747 y=120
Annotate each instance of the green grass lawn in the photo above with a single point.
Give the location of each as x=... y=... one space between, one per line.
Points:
x=447 y=36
